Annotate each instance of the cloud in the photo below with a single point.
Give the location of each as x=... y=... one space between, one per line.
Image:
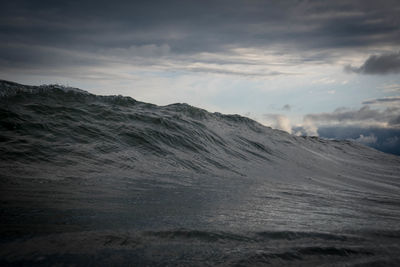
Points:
x=386 y=139
x=363 y=116
x=378 y=64
x=383 y=139
x=393 y=142
x=148 y=50
x=394 y=87
x=286 y=107
x=164 y=33
x=377 y=128
x=395 y=121
x=370 y=139
x=384 y=100
x=278 y=121
x=233 y=72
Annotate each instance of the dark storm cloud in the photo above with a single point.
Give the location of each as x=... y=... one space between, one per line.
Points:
x=378 y=64
x=376 y=128
x=384 y=139
x=37 y=56
x=312 y=29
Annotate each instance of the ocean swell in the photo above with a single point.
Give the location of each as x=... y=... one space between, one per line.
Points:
x=177 y=185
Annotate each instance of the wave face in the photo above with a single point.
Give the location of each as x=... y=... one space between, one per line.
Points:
x=100 y=180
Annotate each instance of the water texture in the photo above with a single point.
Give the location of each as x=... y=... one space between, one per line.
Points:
x=107 y=180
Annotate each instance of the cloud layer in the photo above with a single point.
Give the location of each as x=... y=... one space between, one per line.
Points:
x=395 y=100
x=384 y=139
x=378 y=128
x=222 y=37
x=365 y=116
x=378 y=64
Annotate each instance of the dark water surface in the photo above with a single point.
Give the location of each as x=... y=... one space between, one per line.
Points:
x=106 y=181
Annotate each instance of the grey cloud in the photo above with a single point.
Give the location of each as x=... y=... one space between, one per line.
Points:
x=378 y=64
x=232 y=72
x=312 y=29
x=25 y=56
x=363 y=115
x=286 y=107
x=384 y=100
x=149 y=50
x=395 y=121
x=384 y=139
x=376 y=128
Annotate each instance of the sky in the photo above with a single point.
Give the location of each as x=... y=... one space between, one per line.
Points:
x=321 y=68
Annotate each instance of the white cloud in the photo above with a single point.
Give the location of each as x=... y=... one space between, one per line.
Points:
x=278 y=121
x=393 y=87
x=368 y=140
x=324 y=80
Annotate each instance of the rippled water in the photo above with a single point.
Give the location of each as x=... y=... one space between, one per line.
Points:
x=107 y=180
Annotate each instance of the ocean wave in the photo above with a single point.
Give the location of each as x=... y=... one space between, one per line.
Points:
x=129 y=179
